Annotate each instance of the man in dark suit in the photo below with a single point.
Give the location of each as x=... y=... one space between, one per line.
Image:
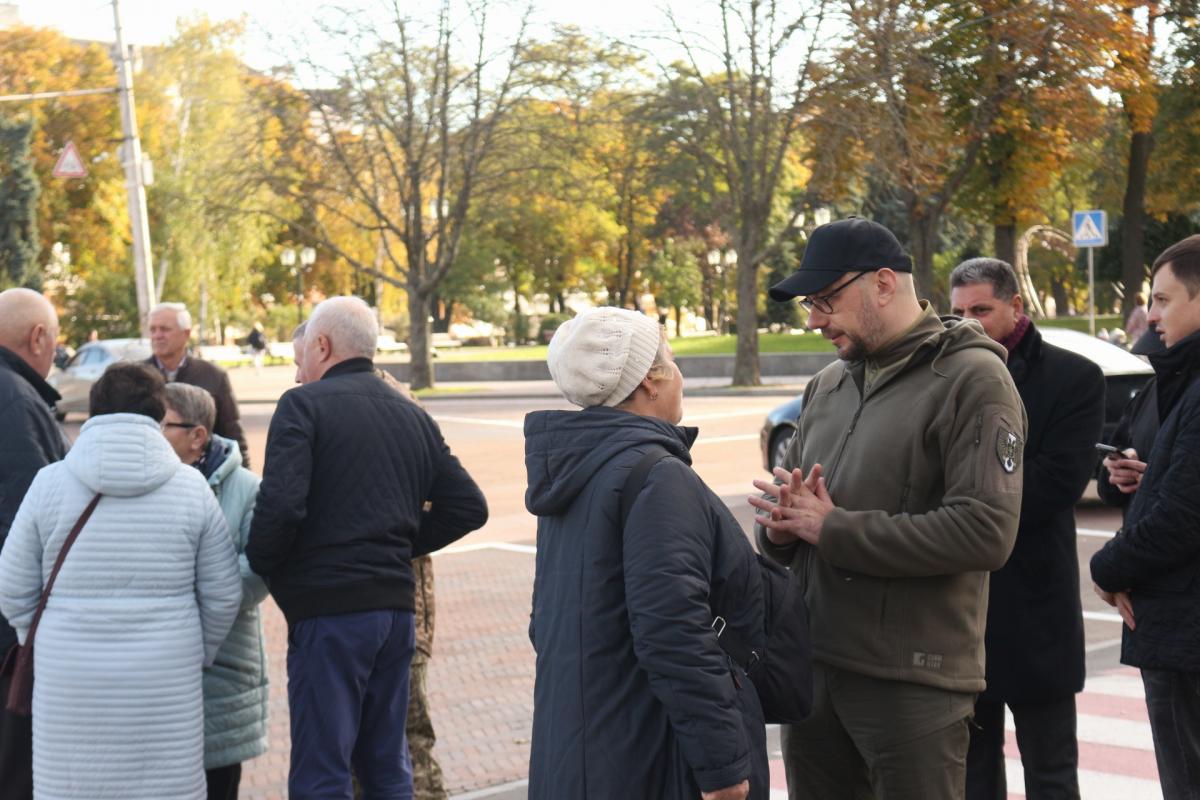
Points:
x=29 y=440
x=170 y=331
x=1034 y=640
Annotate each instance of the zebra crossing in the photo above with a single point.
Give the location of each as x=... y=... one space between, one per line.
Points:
x=1116 y=750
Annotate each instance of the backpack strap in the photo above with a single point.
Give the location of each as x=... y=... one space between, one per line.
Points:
x=637 y=478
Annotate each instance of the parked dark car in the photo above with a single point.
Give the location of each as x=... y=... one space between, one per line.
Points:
x=1124 y=375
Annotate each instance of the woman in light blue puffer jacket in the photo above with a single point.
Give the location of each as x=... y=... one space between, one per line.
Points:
x=235 y=686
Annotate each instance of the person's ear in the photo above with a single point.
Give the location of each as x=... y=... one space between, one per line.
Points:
x=885 y=285
x=649 y=385
x=1018 y=305
x=199 y=436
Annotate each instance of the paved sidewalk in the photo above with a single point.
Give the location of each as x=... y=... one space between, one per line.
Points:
x=480 y=679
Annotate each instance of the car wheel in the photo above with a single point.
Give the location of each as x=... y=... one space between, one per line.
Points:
x=780 y=440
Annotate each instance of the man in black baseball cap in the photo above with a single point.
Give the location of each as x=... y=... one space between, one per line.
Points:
x=901 y=490
x=837 y=255
x=853 y=244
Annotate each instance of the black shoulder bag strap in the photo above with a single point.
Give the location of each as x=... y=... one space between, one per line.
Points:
x=637 y=478
x=730 y=642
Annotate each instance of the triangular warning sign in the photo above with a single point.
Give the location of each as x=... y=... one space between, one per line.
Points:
x=69 y=164
x=1087 y=230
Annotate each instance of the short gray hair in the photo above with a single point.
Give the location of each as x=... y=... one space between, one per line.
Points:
x=350 y=325
x=194 y=405
x=299 y=332
x=999 y=274
x=183 y=317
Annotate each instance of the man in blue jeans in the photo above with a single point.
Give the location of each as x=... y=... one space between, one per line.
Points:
x=1151 y=570
x=357 y=482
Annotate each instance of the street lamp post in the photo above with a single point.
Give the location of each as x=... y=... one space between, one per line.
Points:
x=307 y=257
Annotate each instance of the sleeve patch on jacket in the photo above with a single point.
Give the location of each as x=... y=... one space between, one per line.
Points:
x=1008 y=449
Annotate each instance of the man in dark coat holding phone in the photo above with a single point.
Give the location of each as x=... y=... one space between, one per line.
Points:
x=1034 y=640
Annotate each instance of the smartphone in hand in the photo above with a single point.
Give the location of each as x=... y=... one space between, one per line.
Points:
x=1107 y=449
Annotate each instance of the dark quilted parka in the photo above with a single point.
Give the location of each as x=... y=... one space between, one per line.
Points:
x=634 y=698
x=1156 y=555
x=357 y=482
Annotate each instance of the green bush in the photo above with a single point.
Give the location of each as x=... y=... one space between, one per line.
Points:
x=549 y=325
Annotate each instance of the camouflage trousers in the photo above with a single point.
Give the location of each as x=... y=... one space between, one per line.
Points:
x=418 y=727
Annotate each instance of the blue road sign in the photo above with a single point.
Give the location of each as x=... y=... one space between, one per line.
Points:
x=1090 y=228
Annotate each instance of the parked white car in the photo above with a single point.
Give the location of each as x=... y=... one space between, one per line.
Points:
x=74 y=381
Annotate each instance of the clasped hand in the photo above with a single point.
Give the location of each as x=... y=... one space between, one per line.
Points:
x=794 y=508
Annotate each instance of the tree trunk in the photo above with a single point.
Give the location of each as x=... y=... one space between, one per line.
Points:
x=746 y=370
x=419 y=306
x=706 y=294
x=1062 y=303
x=678 y=321
x=1133 y=220
x=922 y=232
x=1005 y=234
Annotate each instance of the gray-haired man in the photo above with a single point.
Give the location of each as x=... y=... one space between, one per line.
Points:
x=1035 y=669
x=170 y=330
x=357 y=482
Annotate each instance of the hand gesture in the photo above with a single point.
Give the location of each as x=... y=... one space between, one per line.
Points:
x=796 y=507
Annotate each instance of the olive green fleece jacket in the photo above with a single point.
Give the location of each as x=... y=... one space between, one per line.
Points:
x=920 y=446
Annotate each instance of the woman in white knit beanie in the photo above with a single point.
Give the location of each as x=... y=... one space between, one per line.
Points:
x=634 y=697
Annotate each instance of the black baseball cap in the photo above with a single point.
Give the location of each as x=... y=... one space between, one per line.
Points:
x=853 y=244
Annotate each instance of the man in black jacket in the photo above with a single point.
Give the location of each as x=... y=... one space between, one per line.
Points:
x=29 y=440
x=170 y=330
x=1151 y=570
x=357 y=481
x=1034 y=640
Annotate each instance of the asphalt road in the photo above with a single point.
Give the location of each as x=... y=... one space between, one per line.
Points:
x=486 y=434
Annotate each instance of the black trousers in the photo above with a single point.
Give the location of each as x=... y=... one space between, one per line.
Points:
x=1046 y=739
x=1173 y=702
x=223 y=782
x=16 y=752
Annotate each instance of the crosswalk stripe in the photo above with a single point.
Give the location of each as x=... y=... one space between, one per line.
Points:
x=1092 y=785
x=1117 y=685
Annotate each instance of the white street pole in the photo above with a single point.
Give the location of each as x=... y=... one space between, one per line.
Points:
x=131 y=154
x=1091 y=292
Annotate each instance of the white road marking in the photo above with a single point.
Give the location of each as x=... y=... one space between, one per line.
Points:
x=1102 y=616
x=508 y=547
x=1095 y=533
x=1092 y=785
x=1104 y=645
x=1111 y=731
x=1116 y=686
x=690 y=418
x=495 y=423
x=740 y=437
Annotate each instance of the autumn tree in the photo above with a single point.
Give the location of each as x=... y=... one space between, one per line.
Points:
x=757 y=102
x=409 y=134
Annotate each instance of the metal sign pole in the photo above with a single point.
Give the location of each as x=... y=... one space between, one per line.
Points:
x=1091 y=292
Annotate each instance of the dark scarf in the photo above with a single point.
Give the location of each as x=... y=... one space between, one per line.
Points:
x=212 y=459
x=1013 y=339
x=1174 y=368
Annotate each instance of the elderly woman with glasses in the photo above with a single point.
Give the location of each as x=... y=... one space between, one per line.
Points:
x=235 y=685
x=144 y=599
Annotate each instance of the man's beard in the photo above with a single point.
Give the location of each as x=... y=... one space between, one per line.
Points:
x=871 y=336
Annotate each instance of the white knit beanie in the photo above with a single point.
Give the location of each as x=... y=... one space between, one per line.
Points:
x=599 y=357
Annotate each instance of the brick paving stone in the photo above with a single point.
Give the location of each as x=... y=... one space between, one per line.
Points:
x=480 y=681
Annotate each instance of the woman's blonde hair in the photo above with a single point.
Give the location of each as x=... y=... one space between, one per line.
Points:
x=658 y=367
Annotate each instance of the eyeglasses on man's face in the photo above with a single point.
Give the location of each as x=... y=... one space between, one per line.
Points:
x=823 y=302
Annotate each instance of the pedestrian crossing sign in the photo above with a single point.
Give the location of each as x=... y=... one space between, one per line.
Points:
x=1090 y=228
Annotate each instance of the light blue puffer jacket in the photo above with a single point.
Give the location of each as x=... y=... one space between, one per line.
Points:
x=235 y=686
